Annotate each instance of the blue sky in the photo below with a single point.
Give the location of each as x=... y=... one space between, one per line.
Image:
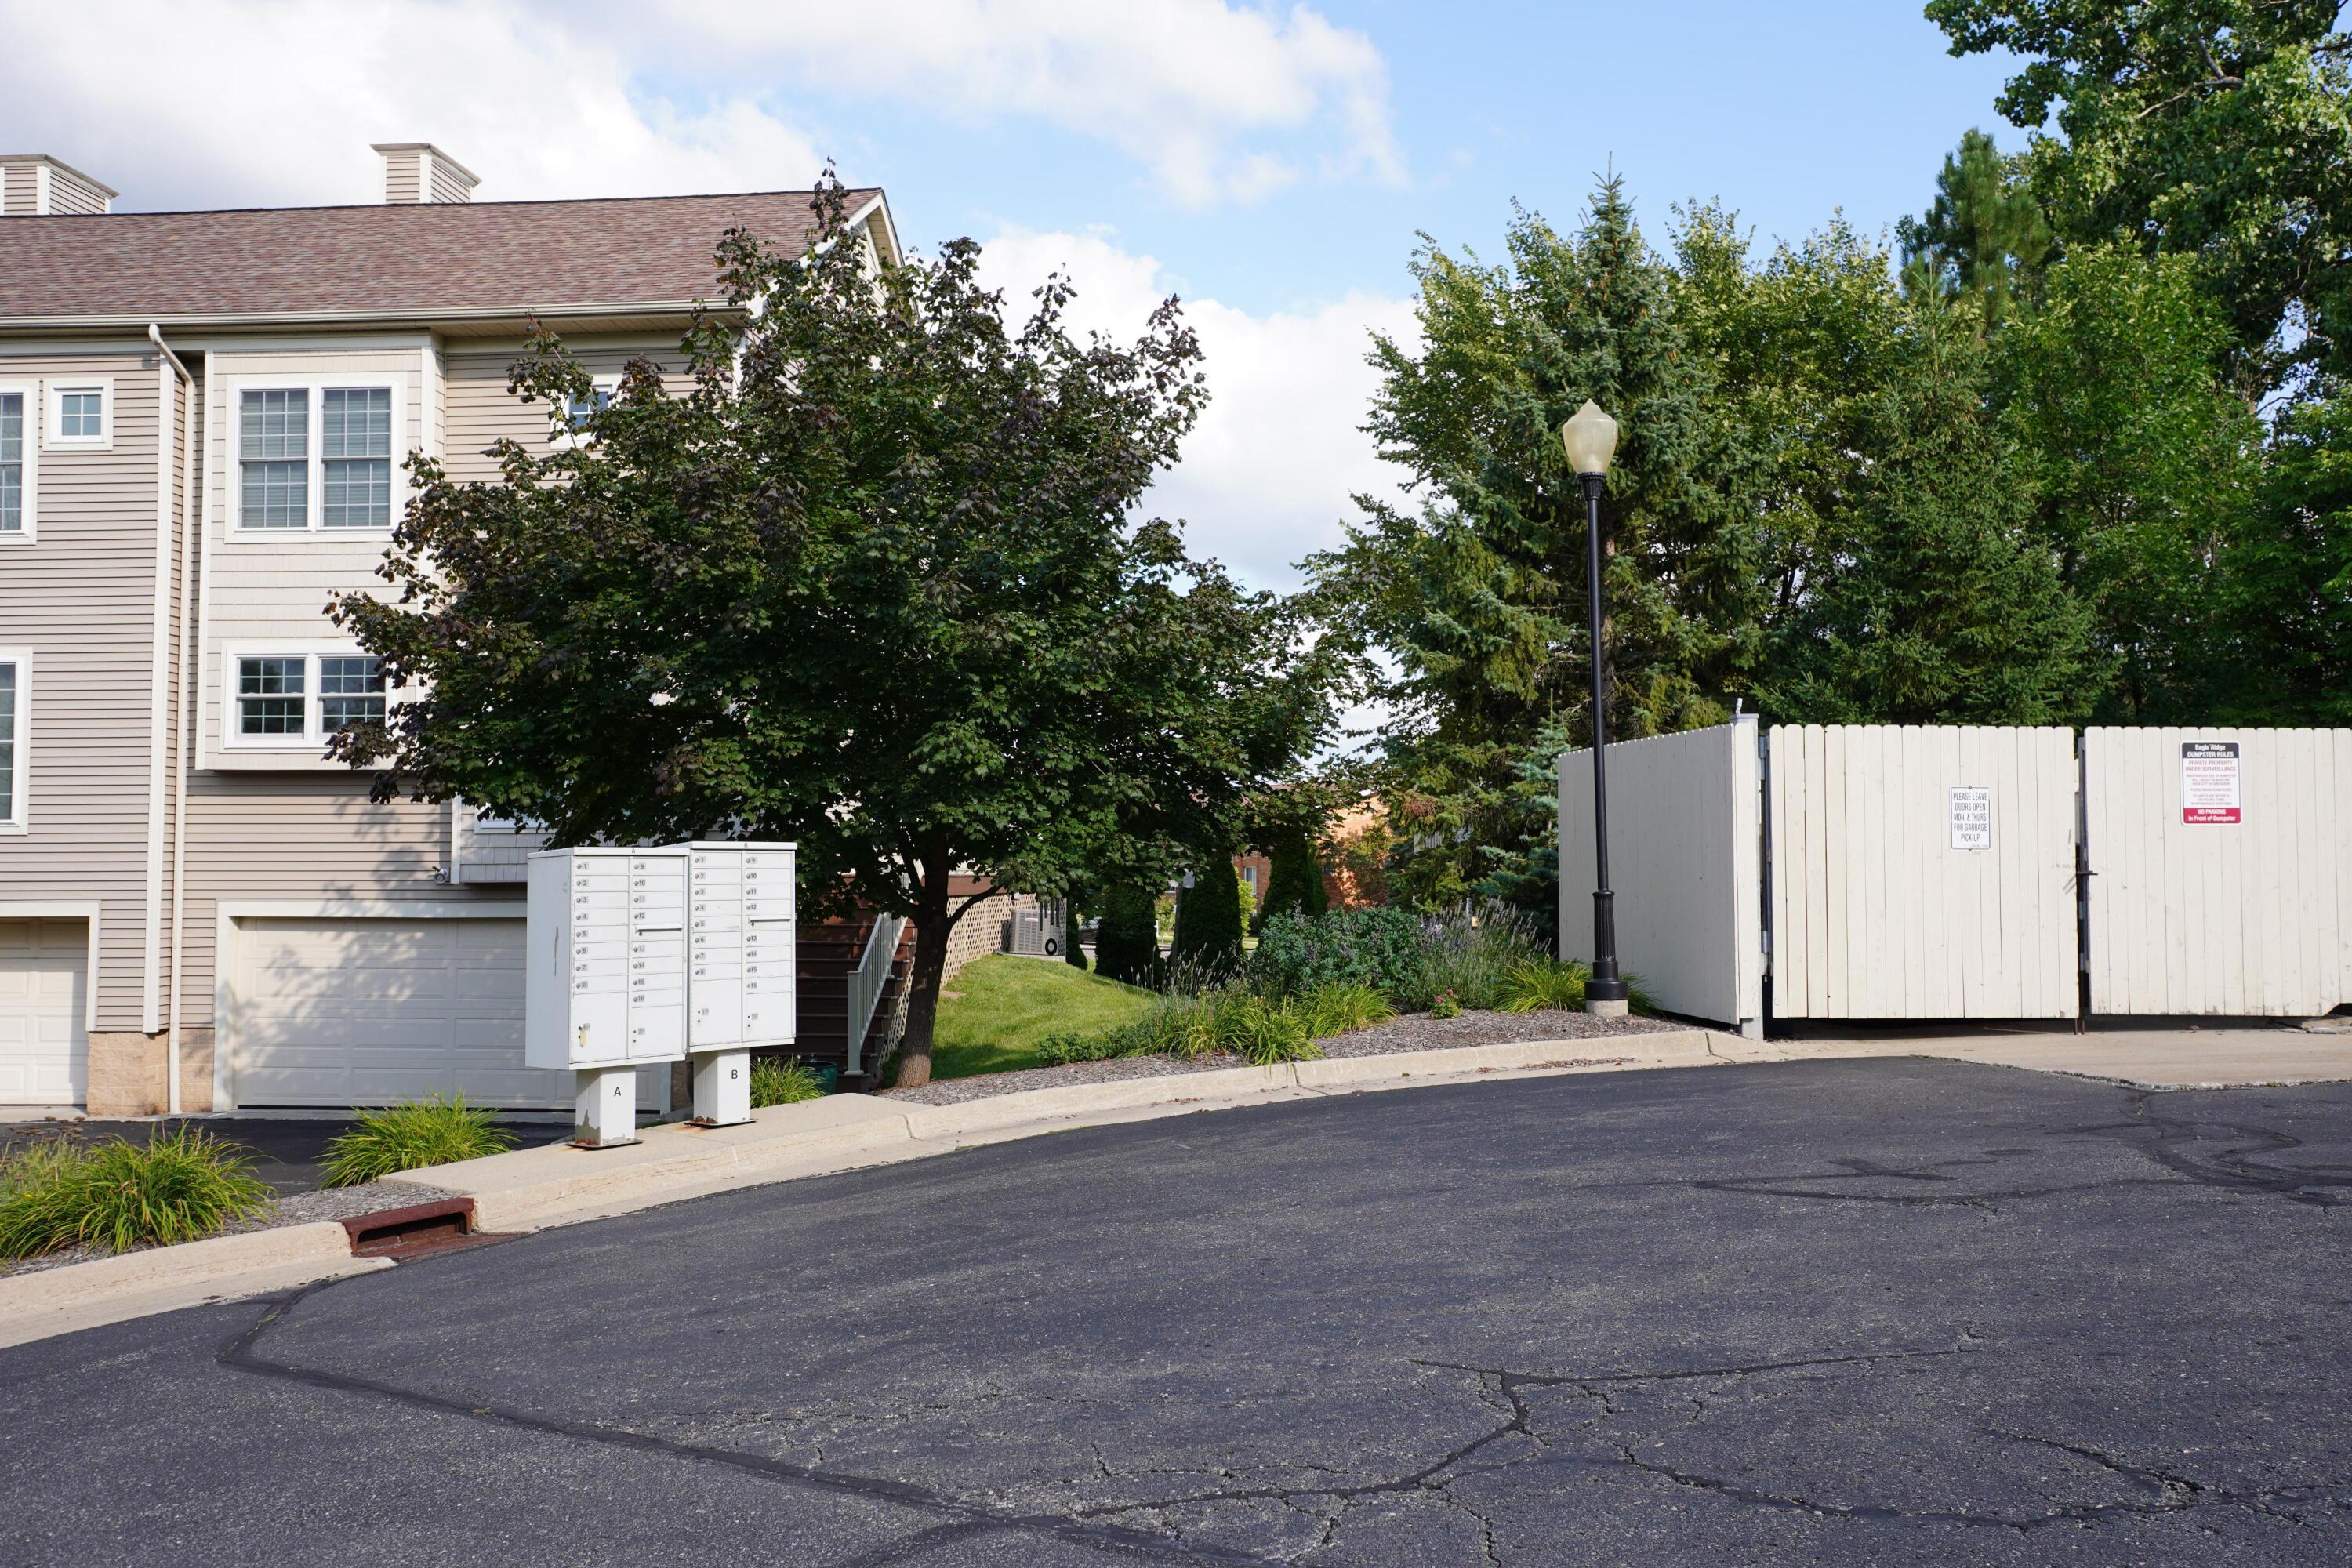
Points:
x=1784 y=111
x=1271 y=163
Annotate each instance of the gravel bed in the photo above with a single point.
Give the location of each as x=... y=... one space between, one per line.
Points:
x=300 y=1208
x=1413 y=1032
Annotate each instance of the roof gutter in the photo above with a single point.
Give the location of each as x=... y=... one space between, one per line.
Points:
x=166 y=430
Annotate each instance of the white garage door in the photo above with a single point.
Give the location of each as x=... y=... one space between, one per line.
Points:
x=367 y=1012
x=44 y=1004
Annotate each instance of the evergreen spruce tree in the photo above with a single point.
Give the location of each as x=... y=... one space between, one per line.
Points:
x=1127 y=943
x=1478 y=597
x=1294 y=881
x=1208 y=920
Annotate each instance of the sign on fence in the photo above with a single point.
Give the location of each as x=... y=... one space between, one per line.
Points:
x=2209 y=781
x=1971 y=817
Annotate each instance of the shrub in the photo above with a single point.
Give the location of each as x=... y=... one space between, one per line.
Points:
x=1446 y=1004
x=1472 y=951
x=118 y=1195
x=1384 y=948
x=1342 y=1009
x=783 y=1080
x=1074 y=946
x=1293 y=878
x=1127 y=941
x=1208 y=921
x=1539 y=984
x=412 y=1135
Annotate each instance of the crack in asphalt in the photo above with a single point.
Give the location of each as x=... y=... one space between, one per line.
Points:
x=965 y=1517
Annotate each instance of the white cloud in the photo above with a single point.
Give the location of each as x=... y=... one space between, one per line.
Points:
x=266 y=102
x=1267 y=475
x=1184 y=86
x=254 y=103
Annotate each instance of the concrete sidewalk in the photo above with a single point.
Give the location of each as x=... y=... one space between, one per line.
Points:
x=2144 y=1058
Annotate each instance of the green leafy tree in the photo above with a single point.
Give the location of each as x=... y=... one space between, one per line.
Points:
x=1208 y=920
x=871 y=583
x=2220 y=130
x=2142 y=464
x=1127 y=941
x=2286 y=585
x=1985 y=239
x=1939 y=602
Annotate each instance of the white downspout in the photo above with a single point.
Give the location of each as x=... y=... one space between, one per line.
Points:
x=180 y=774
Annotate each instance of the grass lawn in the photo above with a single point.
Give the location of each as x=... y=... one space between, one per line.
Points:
x=993 y=1014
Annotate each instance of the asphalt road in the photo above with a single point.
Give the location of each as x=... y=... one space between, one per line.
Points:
x=1847 y=1312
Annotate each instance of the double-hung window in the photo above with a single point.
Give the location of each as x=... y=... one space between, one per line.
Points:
x=16 y=465
x=356 y=447
x=289 y=700
x=16 y=696
x=351 y=691
x=315 y=457
x=274 y=457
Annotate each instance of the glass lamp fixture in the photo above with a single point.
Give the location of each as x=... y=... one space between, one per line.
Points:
x=1590 y=437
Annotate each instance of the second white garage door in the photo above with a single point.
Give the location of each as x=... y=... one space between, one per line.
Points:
x=336 y=1011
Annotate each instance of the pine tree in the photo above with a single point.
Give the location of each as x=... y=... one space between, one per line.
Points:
x=1985 y=239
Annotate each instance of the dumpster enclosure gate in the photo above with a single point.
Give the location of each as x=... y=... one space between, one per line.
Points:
x=1881 y=872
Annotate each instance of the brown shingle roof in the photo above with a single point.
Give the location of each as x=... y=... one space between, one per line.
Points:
x=458 y=259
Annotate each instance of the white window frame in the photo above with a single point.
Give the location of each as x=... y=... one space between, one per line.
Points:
x=312 y=740
x=53 y=421
x=34 y=418
x=17 y=819
x=564 y=433
x=317 y=383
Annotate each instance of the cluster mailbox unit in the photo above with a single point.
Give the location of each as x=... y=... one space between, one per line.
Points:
x=647 y=955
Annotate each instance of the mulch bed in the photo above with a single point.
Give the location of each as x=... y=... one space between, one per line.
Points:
x=299 y=1208
x=1413 y=1032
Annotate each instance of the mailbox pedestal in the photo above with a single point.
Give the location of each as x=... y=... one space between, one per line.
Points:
x=606 y=1112
x=723 y=1088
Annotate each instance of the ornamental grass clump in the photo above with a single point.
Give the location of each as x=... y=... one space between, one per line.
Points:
x=1343 y=1009
x=115 y=1195
x=783 y=1080
x=412 y=1135
x=1542 y=985
x=1472 y=951
x=1263 y=1030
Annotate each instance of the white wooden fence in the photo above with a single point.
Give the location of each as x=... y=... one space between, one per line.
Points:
x=1684 y=858
x=2221 y=870
x=1922 y=872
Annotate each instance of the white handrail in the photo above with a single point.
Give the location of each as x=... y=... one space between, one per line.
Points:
x=869 y=979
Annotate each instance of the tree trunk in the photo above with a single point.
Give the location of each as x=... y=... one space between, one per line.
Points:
x=932 y=924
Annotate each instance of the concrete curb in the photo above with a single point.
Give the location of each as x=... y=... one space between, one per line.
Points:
x=164 y=1279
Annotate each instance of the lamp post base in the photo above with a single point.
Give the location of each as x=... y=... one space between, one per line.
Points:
x=1605 y=1007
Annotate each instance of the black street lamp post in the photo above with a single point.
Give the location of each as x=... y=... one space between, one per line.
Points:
x=1590 y=437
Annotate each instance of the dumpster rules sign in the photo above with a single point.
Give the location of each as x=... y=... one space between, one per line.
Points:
x=2209 y=781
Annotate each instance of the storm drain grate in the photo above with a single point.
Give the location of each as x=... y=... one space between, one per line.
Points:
x=417 y=1231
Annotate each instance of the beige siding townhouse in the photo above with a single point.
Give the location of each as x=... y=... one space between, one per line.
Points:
x=202 y=420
